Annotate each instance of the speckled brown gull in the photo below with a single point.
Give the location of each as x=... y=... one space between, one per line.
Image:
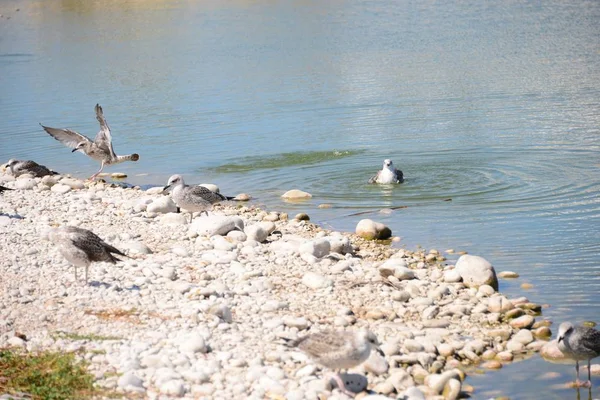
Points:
x=82 y=247
x=338 y=350
x=193 y=198
x=100 y=149
x=388 y=174
x=579 y=343
x=20 y=167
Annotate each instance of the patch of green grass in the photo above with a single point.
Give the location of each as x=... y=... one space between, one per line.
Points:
x=45 y=375
x=77 y=336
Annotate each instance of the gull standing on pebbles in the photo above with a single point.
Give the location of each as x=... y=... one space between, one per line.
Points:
x=82 y=247
x=100 y=149
x=579 y=343
x=338 y=350
x=389 y=174
x=193 y=198
x=19 y=167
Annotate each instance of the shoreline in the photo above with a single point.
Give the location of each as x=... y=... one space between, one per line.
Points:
x=203 y=317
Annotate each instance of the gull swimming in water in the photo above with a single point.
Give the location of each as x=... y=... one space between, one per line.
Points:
x=193 y=198
x=20 y=167
x=579 y=343
x=82 y=247
x=338 y=350
x=389 y=174
x=100 y=149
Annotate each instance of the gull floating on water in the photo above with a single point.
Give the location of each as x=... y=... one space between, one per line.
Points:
x=579 y=343
x=20 y=167
x=389 y=174
x=82 y=247
x=193 y=198
x=100 y=149
x=338 y=350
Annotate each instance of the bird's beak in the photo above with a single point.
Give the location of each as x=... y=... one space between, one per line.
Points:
x=74 y=150
x=559 y=339
x=166 y=187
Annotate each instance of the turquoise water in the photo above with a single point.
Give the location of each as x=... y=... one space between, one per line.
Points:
x=491 y=109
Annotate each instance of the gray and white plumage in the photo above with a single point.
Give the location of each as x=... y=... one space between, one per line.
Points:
x=338 y=350
x=100 y=149
x=192 y=198
x=20 y=167
x=82 y=247
x=579 y=343
x=388 y=174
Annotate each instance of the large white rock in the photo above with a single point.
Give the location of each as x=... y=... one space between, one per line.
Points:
x=128 y=380
x=162 y=205
x=26 y=183
x=256 y=232
x=371 y=230
x=216 y=225
x=318 y=248
x=193 y=344
x=174 y=219
x=135 y=247
x=476 y=271
x=339 y=244
x=60 y=188
x=315 y=281
x=73 y=183
x=296 y=194
x=155 y=190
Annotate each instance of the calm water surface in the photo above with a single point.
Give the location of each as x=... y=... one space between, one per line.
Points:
x=494 y=105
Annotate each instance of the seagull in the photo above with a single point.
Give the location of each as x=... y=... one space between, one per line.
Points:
x=100 y=149
x=338 y=350
x=579 y=343
x=19 y=167
x=82 y=247
x=193 y=198
x=389 y=174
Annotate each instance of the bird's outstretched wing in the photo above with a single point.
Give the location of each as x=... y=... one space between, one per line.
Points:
x=373 y=179
x=66 y=136
x=103 y=138
x=399 y=175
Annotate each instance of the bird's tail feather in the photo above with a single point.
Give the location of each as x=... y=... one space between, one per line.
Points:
x=130 y=157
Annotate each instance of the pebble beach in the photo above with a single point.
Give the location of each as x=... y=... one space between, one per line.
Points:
x=203 y=309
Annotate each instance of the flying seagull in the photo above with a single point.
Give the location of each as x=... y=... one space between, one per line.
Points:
x=100 y=149
x=193 y=198
x=338 y=350
x=82 y=247
x=20 y=167
x=579 y=343
x=389 y=174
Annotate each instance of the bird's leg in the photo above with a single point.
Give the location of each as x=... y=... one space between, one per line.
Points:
x=96 y=174
x=86 y=274
x=75 y=266
x=341 y=385
x=578 y=383
x=588 y=384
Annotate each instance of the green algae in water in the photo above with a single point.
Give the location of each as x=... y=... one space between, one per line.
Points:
x=285 y=160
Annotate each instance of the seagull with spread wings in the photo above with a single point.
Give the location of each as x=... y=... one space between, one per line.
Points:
x=100 y=149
